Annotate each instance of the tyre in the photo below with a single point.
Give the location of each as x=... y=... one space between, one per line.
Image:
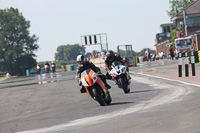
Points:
x=108 y=99
x=98 y=95
x=47 y=70
x=124 y=83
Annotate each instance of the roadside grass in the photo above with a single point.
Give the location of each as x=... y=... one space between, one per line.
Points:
x=4 y=77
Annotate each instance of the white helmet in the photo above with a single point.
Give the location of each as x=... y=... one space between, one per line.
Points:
x=80 y=58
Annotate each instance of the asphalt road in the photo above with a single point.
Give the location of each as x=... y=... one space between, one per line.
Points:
x=52 y=103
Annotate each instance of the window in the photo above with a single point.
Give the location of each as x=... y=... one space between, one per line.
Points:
x=173 y=27
x=168 y=29
x=165 y=29
x=184 y=42
x=192 y=22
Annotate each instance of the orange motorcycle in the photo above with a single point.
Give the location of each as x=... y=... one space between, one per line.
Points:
x=95 y=87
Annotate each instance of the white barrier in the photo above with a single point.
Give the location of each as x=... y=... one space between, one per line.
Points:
x=99 y=62
x=140 y=59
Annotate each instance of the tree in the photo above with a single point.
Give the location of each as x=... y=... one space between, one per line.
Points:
x=177 y=5
x=142 y=52
x=16 y=45
x=69 y=52
x=173 y=36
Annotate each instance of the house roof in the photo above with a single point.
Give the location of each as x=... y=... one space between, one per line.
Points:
x=167 y=24
x=193 y=8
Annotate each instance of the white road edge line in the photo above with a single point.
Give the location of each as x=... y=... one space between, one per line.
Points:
x=166 y=79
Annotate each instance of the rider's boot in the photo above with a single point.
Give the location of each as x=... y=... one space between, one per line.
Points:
x=107 y=86
x=82 y=89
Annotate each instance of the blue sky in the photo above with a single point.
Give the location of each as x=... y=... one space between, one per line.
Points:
x=59 y=22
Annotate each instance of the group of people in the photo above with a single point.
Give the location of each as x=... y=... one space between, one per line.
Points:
x=53 y=66
x=97 y=55
x=84 y=65
x=160 y=55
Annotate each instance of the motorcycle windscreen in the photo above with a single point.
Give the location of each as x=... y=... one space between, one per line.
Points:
x=116 y=63
x=88 y=77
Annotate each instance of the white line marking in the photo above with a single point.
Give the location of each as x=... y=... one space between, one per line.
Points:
x=167 y=79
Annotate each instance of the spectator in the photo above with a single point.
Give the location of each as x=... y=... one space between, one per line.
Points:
x=102 y=53
x=8 y=75
x=157 y=56
x=147 y=53
x=171 y=52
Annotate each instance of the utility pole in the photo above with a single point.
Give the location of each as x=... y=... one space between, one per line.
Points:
x=184 y=17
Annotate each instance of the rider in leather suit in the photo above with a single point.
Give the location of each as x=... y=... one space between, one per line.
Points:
x=109 y=60
x=82 y=66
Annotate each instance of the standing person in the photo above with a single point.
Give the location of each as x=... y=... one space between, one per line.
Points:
x=84 y=65
x=171 y=52
x=102 y=53
x=147 y=53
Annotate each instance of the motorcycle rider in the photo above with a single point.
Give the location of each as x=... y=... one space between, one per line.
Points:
x=46 y=63
x=111 y=57
x=38 y=68
x=82 y=66
x=53 y=65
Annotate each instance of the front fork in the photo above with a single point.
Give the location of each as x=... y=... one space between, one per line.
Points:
x=128 y=77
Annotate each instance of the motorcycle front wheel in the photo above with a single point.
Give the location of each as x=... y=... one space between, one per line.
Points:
x=124 y=83
x=97 y=93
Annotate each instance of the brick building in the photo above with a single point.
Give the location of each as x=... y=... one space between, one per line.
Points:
x=162 y=40
x=192 y=22
x=193 y=28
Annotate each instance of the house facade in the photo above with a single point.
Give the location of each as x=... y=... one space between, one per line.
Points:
x=191 y=27
x=162 y=40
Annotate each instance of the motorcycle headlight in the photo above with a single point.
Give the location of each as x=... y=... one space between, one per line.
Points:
x=122 y=69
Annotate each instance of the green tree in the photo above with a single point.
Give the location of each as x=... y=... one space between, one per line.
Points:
x=142 y=52
x=16 y=45
x=69 y=52
x=177 y=4
x=173 y=36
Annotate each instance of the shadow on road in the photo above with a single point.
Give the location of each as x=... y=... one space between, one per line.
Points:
x=140 y=91
x=119 y=103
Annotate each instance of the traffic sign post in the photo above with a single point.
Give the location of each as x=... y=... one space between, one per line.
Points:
x=186 y=64
x=193 y=63
x=180 y=65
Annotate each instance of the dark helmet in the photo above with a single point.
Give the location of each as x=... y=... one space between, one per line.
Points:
x=110 y=54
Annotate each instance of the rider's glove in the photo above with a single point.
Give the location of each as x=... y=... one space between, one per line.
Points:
x=98 y=72
x=79 y=82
